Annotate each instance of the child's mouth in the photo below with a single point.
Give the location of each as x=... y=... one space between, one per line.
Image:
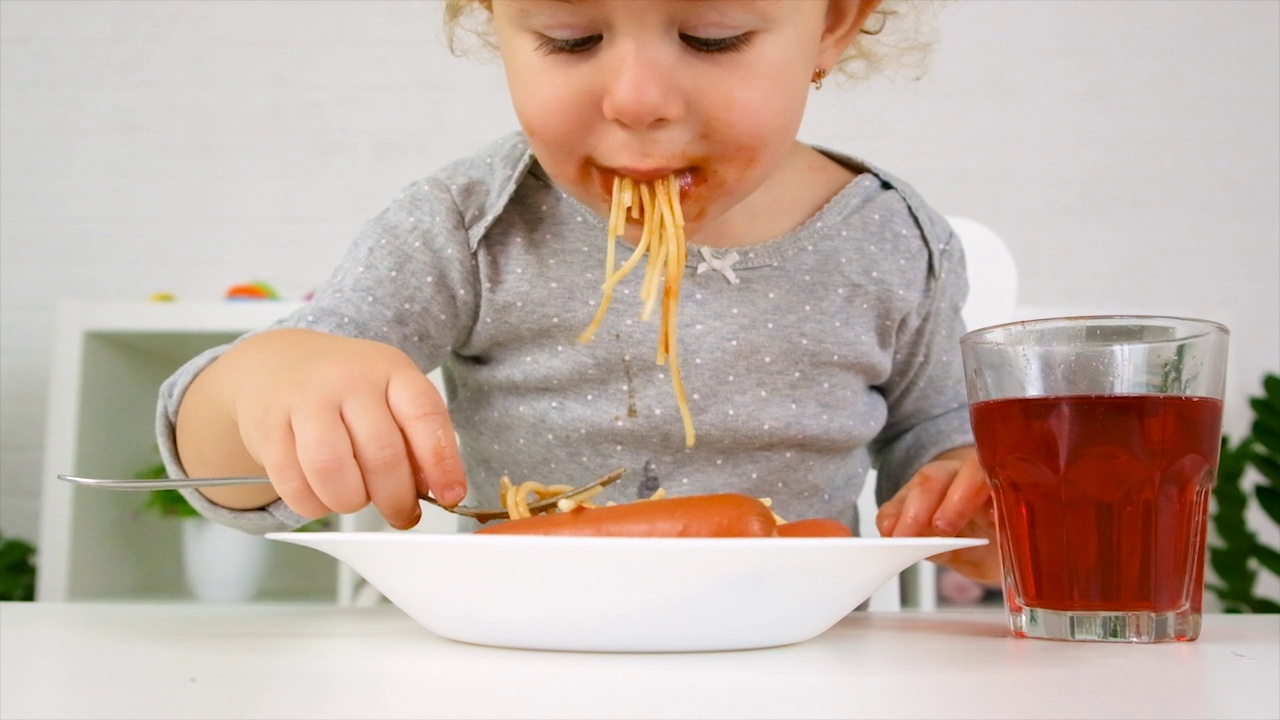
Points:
x=687 y=178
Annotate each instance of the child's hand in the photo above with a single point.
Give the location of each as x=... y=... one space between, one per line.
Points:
x=335 y=422
x=948 y=497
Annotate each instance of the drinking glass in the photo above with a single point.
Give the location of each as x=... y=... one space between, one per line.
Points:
x=1101 y=437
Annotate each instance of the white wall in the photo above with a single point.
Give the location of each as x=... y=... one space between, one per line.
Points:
x=1129 y=152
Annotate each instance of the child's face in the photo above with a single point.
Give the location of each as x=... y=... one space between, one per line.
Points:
x=713 y=90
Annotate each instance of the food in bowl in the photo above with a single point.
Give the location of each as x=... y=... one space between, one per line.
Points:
x=718 y=515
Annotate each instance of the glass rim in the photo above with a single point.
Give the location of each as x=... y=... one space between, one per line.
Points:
x=1209 y=326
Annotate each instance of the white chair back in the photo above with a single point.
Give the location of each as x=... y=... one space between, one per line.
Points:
x=993 y=276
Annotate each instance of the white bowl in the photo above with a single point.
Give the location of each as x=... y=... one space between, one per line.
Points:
x=624 y=594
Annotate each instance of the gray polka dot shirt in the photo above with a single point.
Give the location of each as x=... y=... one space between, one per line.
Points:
x=807 y=360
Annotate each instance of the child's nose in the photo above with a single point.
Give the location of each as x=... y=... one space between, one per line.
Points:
x=642 y=91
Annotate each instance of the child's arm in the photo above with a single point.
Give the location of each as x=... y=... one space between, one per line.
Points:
x=335 y=422
x=948 y=496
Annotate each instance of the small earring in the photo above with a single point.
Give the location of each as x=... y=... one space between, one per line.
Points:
x=818 y=75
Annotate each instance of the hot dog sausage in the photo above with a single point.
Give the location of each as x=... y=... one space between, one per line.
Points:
x=722 y=515
x=814 y=527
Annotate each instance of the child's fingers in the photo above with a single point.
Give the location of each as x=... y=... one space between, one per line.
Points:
x=947 y=497
x=966 y=497
x=424 y=421
x=980 y=563
x=383 y=459
x=887 y=518
x=327 y=458
x=922 y=496
x=890 y=513
x=279 y=457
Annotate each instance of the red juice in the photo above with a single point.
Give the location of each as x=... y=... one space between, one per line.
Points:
x=1102 y=500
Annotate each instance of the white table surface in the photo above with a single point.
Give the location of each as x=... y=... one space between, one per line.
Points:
x=89 y=660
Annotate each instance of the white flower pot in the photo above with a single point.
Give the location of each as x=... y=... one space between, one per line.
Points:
x=222 y=565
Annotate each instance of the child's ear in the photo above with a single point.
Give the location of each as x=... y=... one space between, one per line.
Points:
x=845 y=19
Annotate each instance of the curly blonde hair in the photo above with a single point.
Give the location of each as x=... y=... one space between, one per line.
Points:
x=897 y=36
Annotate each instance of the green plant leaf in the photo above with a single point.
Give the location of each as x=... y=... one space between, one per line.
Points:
x=1271 y=386
x=17 y=571
x=1269 y=467
x=14 y=551
x=1232 y=461
x=318 y=525
x=169 y=503
x=1229 y=496
x=165 y=503
x=1232 y=568
x=1269 y=499
x=1263 y=605
x=1268 y=438
x=1232 y=560
x=1236 y=535
x=1266 y=415
x=1240 y=557
x=1233 y=600
x=1265 y=411
x=1269 y=558
x=152 y=472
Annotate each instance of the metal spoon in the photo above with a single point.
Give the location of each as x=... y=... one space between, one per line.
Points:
x=481 y=514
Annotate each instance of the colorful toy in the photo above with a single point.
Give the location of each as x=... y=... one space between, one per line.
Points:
x=256 y=290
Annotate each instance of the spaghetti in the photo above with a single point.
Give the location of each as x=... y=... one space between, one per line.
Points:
x=657 y=205
x=516 y=498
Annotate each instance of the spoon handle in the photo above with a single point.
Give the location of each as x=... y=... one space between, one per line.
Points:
x=165 y=484
x=481 y=514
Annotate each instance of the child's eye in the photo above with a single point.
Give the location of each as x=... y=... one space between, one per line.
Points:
x=567 y=46
x=716 y=45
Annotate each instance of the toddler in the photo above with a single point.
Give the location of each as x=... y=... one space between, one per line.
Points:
x=814 y=300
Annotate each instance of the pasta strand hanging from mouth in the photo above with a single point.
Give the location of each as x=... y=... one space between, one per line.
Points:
x=662 y=237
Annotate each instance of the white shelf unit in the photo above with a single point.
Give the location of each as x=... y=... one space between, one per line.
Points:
x=108 y=363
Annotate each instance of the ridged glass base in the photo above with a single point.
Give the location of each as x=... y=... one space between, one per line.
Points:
x=1131 y=627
